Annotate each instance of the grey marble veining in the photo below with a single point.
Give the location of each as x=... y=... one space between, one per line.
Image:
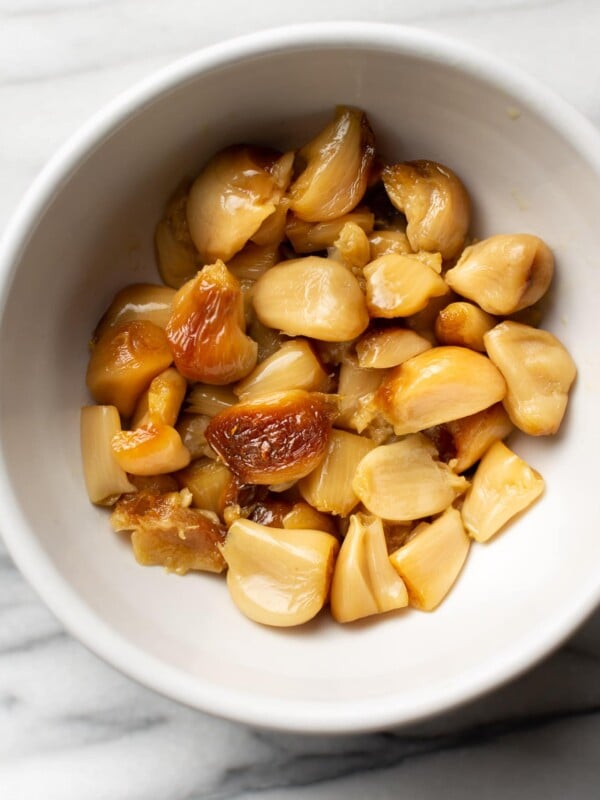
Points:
x=71 y=727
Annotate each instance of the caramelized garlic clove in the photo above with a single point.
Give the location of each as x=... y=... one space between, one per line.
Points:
x=178 y=260
x=211 y=484
x=338 y=162
x=431 y=561
x=505 y=273
x=206 y=328
x=382 y=348
x=464 y=325
x=364 y=582
x=161 y=402
x=400 y=285
x=150 y=450
x=274 y=438
x=538 y=371
x=503 y=486
x=278 y=577
x=404 y=481
x=436 y=386
x=253 y=261
x=310 y=237
x=315 y=297
x=293 y=366
x=435 y=202
x=138 y=301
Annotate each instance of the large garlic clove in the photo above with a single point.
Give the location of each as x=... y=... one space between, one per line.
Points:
x=105 y=480
x=274 y=438
x=206 y=328
x=161 y=402
x=152 y=449
x=293 y=366
x=503 y=486
x=315 y=297
x=538 y=371
x=329 y=486
x=364 y=582
x=504 y=273
x=138 y=301
x=430 y=562
x=278 y=577
x=310 y=237
x=435 y=202
x=124 y=361
x=399 y=285
x=463 y=325
x=436 y=386
x=404 y=481
x=338 y=162
x=178 y=260
x=382 y=348
x=230 y=199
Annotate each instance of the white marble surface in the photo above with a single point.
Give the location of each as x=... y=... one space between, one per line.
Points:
x=70 y=726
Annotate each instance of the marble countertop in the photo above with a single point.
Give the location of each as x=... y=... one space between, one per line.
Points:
x=70 y=726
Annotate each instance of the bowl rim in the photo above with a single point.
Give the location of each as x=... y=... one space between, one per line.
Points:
x=284 y=714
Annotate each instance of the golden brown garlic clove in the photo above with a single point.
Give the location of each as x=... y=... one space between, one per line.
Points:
x=382 y=348
x=138 y=301
x=400 y=285
x=463 y=325
x=152 y=449
x=352 y=247
x=310 y=237
x=161 y=402
x=385 y=242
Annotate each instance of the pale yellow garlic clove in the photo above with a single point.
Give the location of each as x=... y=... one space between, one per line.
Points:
x=435 y=202
x=304 y=517
x=293 y=366
x=538 y=371
x=431 y=561
x=329 y=487
x=278 y=577
x=400 y=285
x=503 y=486
x=178 y=260
x=364 y=582
x=161 y=402
x=104 y=478
x=404 y=481
x=211 y=484
x=253 y=261
x=138 y=301
x=315 y=297
x=338 y=162
x=352 y=246
x=210 y=400
x=150 y=450
x=436 y=386
x=310 y=237
x=382 y=348
x=356 y=386
x=385 y=242
x=504 y=273
x=463 y=324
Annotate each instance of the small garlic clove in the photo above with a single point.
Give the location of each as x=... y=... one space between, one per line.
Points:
x=538 y=371
x=404 y=481
x=192 y=428
x=436 y=386
x=384 y=242
x=150 y=450
x=310 y=237
x=293 y=366
x=352 y=246
x=503 y=486
x=138 y=301
x=253 y=261
x=209 y=400
x=430 y=562
x=356 y=386
x=435 y=202
x=161 y=402
x=278 y=577
x=274 y=438
x=464 y=325
x=211 y=484
x=504 y=273
x=364 y=582
x=178 y=260
x=315 y=297
x=400 y=285
x=382 y=348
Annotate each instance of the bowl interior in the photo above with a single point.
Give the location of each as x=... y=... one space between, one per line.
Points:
x=516 y=597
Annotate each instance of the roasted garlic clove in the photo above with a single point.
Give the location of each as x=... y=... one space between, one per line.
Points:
x=404 y=481
x=356 y=386
x=384 y=243
x=206 y=328
x=212 y=485
x=253 y=261
x=315 y=297
x=310 y=237
x=104 y=479
x=293 y=366
x=464 y=325
x=538 y=371
x=352 y=246
x=400 y=285
x=364 y=582
x=329 y=487
x=504 y=273
x=431 y=561
x=166 y=532
x=435 y=202
x=338 y=162
x=503 y=486
x=178 y=260
x=138 y=301
x=277 y=513
x=150 y=450
x=274 y=438
x=210 y=400
x=161 y=402
x=278 y=577
x=192 y=429
x=382 y=348
x=436 y=386
x=124 y=361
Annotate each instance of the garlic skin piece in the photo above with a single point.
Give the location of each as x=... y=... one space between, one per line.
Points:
x=315 y=297
x=278 y=577
x=538 y=371
x=230 y=199
x=400 y=285
x=503 y=486
x=436 y=386
x=504 y=273
x=463 y=325
x=435 y=202
x=206 y=328
x=338 y=163
x=364 y=582
x=404 y=481
x=431 y=561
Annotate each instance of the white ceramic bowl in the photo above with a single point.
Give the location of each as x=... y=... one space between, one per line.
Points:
x=85 y=229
